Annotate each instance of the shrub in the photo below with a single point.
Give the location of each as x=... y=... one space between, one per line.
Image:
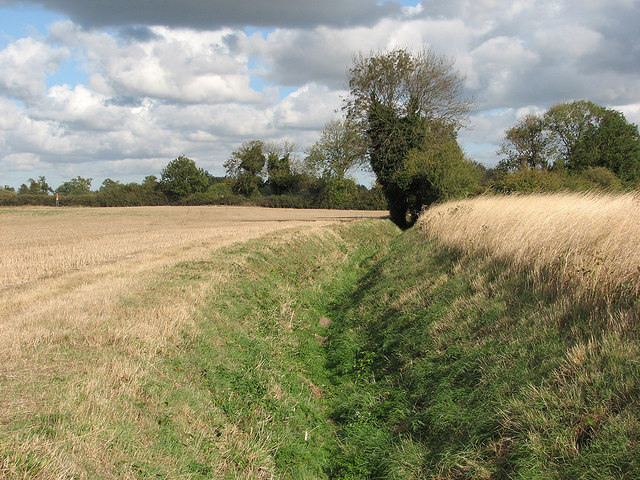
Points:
x=529 y=180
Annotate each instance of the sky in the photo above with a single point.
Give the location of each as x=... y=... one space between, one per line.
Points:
x=118 y=89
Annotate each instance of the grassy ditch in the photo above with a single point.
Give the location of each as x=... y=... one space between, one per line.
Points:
x=453 y=365
x=239 y=391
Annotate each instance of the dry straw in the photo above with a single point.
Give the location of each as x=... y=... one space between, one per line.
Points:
x=588 y=242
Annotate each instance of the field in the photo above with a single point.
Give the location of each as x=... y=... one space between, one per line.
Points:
x=497 y=339
x=86 y=309
x=47 y=242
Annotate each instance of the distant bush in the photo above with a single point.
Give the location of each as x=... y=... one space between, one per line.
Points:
x=595 y=178
x=14 y=200
x=529 y=180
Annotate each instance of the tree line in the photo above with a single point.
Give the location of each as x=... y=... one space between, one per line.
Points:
x=400 y=121
x=258 y=173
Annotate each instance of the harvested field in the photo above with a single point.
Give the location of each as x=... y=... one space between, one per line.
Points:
x=47 y=242
x=88 y=303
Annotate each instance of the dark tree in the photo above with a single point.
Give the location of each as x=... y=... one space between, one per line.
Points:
x=245 y=166
x=405 y=103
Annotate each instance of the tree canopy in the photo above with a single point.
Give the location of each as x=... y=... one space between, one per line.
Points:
x=339 y=150
x=182 y=177
x=76 y=186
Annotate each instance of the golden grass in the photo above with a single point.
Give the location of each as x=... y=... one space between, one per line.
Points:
x=589 y=242
x=44 y=242
x=87 y=307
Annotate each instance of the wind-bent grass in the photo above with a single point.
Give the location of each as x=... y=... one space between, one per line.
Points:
x=588 y=242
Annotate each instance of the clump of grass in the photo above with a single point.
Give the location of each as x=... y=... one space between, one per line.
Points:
x=587 y=242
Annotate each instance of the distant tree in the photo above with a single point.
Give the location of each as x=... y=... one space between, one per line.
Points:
x=569 y=124
x=8 y=188
x=340 y=149
x=614 y=144
x=573 y=137
x=281 y=178
x=23 y=189
x=150 y=181
x=76 y=186
x=405 y=102
x=245 y=166
x=336 y=192
x=527 y=143
x=181 y=177
x=38 y=187
x=107 y=184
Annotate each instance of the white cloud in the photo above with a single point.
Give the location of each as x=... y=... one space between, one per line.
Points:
x=174 y=65
x=24 y=65
x=26 y=162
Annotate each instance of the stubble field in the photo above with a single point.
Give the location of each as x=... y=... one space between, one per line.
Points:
x=82 y=293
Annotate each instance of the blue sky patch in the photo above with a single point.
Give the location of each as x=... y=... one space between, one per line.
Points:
x=19 y=21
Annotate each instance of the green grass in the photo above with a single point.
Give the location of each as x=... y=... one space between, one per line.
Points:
x=451 y=367
x=256 y=357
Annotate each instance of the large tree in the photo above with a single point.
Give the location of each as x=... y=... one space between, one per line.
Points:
x=569 y=124
x=403 y=103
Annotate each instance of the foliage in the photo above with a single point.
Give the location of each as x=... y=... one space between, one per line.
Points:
x=595 y=178
x=114 y=193
x=614 y=144
x=529 y=180
x=423 y=84
x=245 y=166
x=438 y=174
x=286 y=186
x=574 y=137
x=337 y=192
x=527 y=143
x=406 y=103
x=281 y=177
x=181 y=177
x=340 y=150
x=75 y=186
x=37 y=187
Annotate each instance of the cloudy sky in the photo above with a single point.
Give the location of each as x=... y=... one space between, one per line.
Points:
x=118 y=89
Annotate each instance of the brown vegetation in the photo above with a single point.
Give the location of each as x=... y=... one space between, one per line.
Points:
x=586 y=241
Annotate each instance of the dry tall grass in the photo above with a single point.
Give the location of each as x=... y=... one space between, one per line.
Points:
x=589 y=242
